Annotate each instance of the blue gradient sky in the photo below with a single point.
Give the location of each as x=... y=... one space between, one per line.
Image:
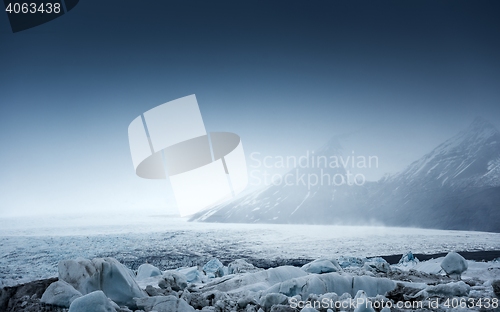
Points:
x=399 y=77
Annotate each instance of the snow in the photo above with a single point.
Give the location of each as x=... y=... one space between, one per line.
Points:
x=303 y=201
x=492 y=177
x=185 y=250
x=462 y=170
x=432 y=168
x=182 y=249
x=174 y=242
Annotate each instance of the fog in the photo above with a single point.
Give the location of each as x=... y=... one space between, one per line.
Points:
x=283 y=78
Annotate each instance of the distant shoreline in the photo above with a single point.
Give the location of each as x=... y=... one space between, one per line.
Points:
x=487 y=255
x=484 y=255
x=478 y=256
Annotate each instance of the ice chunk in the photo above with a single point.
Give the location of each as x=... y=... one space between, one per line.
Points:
x=254 y=281
x=362 y=303
x=117 y=281
x=106 y=274
x=214 y=268
x=372 y=286
x=345 y=262
x=329 y=299
x=496 y=287
x=268 y=300
x=173 y=279
x=241 y=266
x=245 y=300
x=454 y=289
x=454 y=264
x=193 y=274
x=164 y=304
x=332 y=282
x=432 y=266
x=404 y=291
x=60 y=294
x=320 y=266
x=377 y=265
x=81 y=274
x=94 y=302
x=408 y=259
x=147 y=270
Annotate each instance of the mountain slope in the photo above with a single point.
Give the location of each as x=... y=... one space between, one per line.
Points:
x=295 y=202
x=455 y=186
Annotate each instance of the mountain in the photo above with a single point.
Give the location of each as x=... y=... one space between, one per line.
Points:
x=292 y=201
x=455 y=186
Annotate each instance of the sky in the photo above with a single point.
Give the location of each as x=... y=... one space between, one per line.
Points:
x=392 y=78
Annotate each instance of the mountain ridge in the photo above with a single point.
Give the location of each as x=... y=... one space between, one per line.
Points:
x=454 y=186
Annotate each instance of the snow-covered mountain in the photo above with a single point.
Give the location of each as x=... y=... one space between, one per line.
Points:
x=295 y=202
x=470 y=157
x=455 y=186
